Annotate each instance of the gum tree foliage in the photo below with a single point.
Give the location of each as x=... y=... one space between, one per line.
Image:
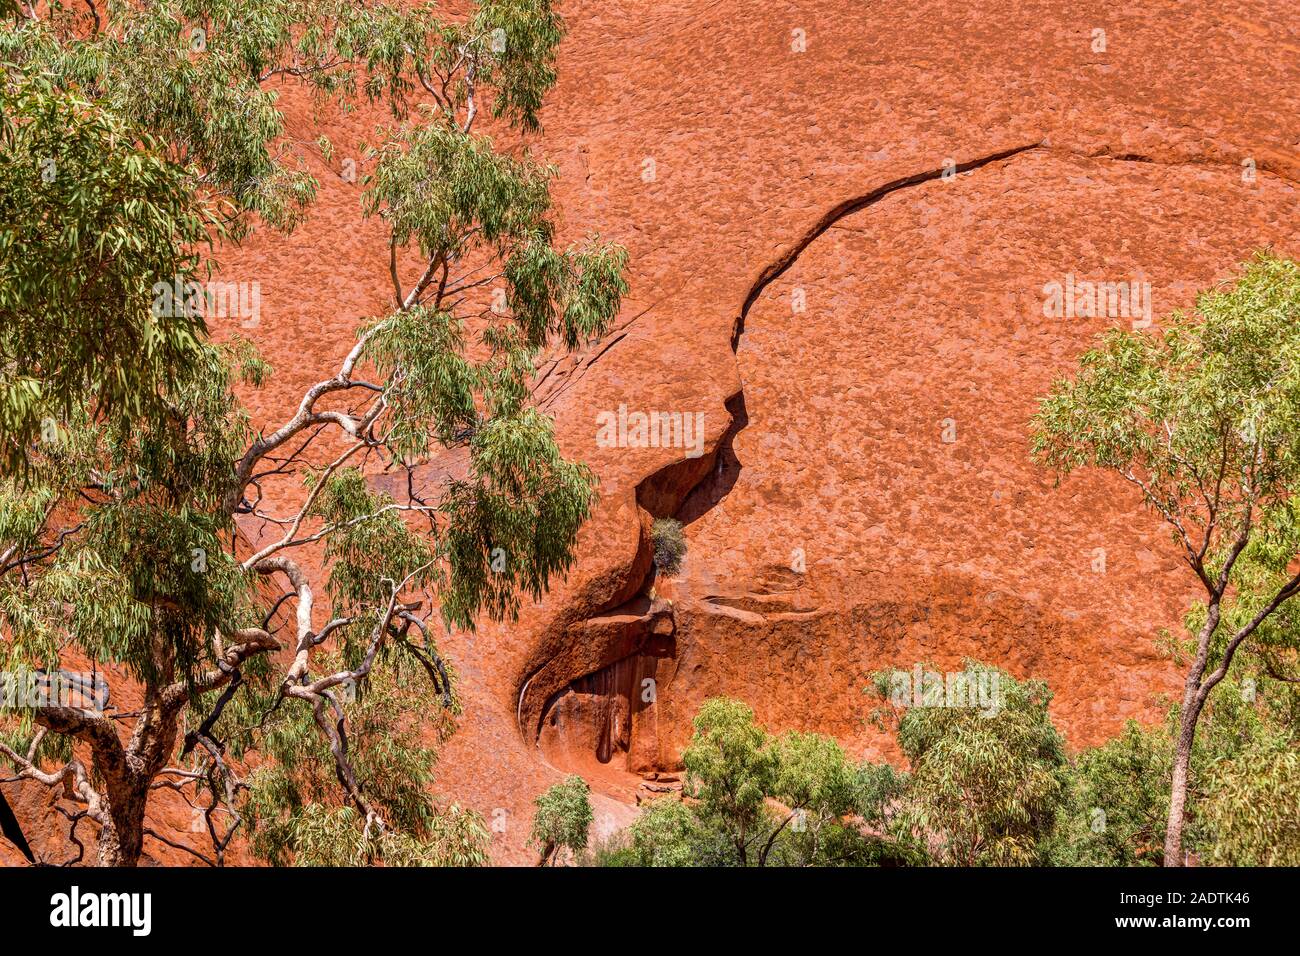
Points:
x=94 y=217
x=981 y=787
x=1000 y=790
x=1251 y=810
x=561 y=820
x=667 y=833
x=984 y=784
x=1202 y=420
x=134 y=483
x=1119 y=802
x=292 y=816
x=754 y=799
x=1243 y=782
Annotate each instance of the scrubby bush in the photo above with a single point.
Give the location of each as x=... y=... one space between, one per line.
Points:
x=669 y=545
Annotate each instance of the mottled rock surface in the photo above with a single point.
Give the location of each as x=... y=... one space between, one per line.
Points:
x=743 y=175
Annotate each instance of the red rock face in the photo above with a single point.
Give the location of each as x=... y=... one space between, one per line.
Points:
x=875 y=505
x=886 y=448
x=876 y=438
x=863 y=497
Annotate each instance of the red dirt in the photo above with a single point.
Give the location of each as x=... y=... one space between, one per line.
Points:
x=922 y=307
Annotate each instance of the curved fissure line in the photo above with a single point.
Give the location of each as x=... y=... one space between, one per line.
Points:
x=847 y=208
x=850 y=206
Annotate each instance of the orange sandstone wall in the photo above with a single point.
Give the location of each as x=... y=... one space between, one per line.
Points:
x=753 y=154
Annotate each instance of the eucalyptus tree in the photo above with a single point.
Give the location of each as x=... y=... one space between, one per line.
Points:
x=561 y=820
x=752 y=799
x=1203 y=420
x=146 y=523
x=985 y=784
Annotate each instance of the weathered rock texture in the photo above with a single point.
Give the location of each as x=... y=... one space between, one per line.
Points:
x=738 y=171
x=822 y=172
